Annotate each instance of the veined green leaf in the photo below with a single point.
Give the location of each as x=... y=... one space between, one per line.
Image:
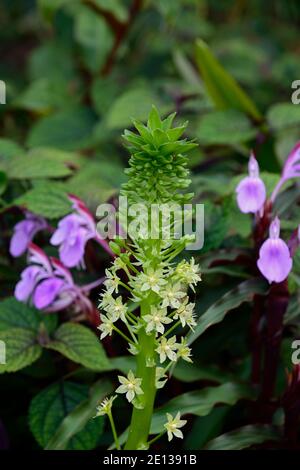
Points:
x=80 y=345
x=222 y=87
x=244 y=437
x=50 y=407
x=21 y=348
x=47 y=199
x=244 y=292
x=79 y=416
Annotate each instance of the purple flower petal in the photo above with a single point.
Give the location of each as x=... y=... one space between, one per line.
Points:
x=290 y=170
x=25 y=286
x=71 y=236
x=46 y=292
x=24 y=232
x=251 y=195
x=71 y=252
x=251 y=191
x=275 y=262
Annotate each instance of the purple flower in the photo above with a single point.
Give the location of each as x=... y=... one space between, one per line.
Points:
x=73 y=232
x=72 y=235
x=251 y=191
x=49 y=285
x=24 y=232
x=275 y=262
x=290 y=170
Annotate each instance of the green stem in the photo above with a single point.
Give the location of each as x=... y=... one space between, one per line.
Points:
x=113 y=428
x=141 y=418
x=122 y=334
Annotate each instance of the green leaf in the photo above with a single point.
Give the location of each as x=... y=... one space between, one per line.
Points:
x=46 y=199
x=3 y=182
x=206 y=428
x=15 y=314
x=80 y=345
x=222 y=87
x=200 y=402
x=94 y=36
x=96 y=182
x=116 y=7
x=50 y=407
x=70 y=129
x=49 y=7
x=42 y=163
x=226 y=127
x=244 y=437
x=283 y=115
x=9 y=149
x=135 y=103
x=244 y=292
x=20 y=326
x=187 y=372
x=80 y=416
x=22 y=349
x=46 y=94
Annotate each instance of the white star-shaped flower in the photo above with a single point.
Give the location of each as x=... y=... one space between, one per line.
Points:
x=152 y=280
x=117 y=309
x=173 y=426
x=185 y=313
x=183 y=351
x=172 y=296
x=106 y=327
x=156 y=320
x=189 y=273
x=112 y=282
x=130 y=385
x=167 y=348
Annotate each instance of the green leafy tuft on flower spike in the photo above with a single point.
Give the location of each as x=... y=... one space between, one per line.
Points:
x=158 y=162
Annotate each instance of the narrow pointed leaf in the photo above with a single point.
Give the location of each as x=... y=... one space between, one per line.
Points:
x=221 y=86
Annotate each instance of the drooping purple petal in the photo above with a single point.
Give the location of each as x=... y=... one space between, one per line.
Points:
x=251 y=191
x=290 y=170
x=26 y=285
x=24 y=232
x=275 y=262
x=46 y=292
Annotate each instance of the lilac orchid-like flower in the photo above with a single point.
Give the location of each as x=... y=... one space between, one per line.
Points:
x=73 y=232
x=275 y=262
x=290 y=170
x=24 y=233
x=251 y=191
x=49 y=285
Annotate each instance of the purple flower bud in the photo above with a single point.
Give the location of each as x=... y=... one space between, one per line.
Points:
x=275 y=262
x=24 y=232
x=290 y=170
x=251 y=191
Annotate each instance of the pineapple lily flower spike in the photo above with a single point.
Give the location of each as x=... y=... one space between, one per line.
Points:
x=157 y=175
